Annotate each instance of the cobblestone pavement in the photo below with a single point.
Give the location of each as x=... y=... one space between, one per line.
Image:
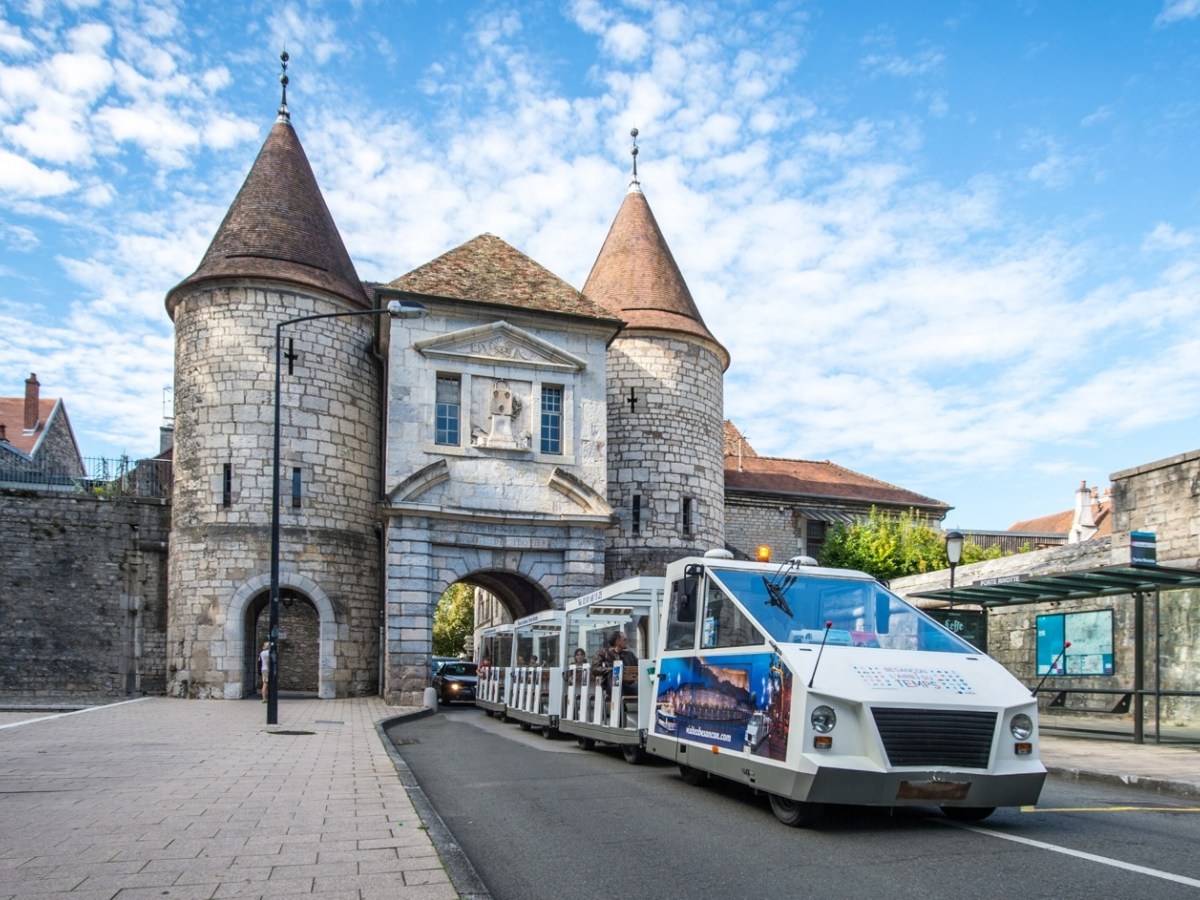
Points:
x=199 y=799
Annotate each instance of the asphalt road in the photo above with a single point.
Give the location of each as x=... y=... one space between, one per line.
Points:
x=544 y=819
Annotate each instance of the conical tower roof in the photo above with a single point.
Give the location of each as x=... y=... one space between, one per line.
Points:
x=636 y=277
x=279 y=228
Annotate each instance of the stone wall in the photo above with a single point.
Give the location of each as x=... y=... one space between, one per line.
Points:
x=750 y=523
x=83 y=602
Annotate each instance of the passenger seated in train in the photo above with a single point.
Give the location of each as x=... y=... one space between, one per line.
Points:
x=616 y=651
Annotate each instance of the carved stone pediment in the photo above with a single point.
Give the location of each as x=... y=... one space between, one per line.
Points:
x=500 y=343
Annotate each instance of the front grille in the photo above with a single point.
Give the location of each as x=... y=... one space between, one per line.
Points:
x=936 y=737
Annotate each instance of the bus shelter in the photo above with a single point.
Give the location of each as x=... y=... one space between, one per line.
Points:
x=1138 y=581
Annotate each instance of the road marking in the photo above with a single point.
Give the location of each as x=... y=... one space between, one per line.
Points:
x=1078 y=809
x=74 y=712
x=1080 y=854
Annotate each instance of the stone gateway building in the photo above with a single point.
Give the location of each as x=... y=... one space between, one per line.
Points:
x=522 y=436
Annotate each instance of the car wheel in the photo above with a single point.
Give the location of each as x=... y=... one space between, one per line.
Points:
x=968 y=813
x=634 y=755
x=586 y=743
x=796 y=813
x=691 y=776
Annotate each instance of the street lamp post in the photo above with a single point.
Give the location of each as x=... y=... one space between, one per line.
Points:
x=954 y=548
x=397 y=310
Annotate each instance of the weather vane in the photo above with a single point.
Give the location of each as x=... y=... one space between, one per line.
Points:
x=284 y=116
x=634 y=133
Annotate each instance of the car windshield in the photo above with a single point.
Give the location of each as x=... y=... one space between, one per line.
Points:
x=458 y=669
x=793 y=607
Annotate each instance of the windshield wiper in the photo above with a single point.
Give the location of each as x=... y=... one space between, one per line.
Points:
x=775 y=597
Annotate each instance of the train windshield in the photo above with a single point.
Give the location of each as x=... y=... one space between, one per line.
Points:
x=794 y=607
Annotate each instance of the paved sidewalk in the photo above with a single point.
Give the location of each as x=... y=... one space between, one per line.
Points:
x=1172 y=769
x=160 y=798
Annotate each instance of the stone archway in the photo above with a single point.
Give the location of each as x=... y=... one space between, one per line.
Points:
x=248 y=601
x=299 y=641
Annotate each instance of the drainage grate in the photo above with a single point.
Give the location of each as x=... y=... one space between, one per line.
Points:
x=292 y=732
x=328 y=722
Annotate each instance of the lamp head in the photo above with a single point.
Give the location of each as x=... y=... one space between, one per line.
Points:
x=406 y=309
x=954 y=547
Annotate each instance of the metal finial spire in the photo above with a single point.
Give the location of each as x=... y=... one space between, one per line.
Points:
x=633 y=134
x=284 y=115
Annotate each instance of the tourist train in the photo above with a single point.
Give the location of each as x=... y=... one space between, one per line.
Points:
x=815 y=686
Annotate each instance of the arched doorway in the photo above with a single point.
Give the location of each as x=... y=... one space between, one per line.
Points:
x=298 y=647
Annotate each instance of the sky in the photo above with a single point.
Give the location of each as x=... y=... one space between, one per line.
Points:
x=952 y=245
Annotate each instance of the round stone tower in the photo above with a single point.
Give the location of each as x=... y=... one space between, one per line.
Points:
x=276 y=256
x=666 y=479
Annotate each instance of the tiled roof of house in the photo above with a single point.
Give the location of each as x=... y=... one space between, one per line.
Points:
x=817 y=479
x=279 y=228
x=489 y=270
x=736 y=443
x=636 y=277
x=12 y=417
x=1062 y=522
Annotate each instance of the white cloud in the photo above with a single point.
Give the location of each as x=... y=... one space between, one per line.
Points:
x=1167 y=237
x=21 y=178
x=13 y=42
x=1177 y=11
x=897 y=66
x=626 y=42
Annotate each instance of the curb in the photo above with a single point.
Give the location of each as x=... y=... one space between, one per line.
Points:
x=1141 y=782
x=463 y=877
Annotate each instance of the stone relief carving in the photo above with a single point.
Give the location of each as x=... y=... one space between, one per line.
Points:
x=503 y=408
x=502 y=348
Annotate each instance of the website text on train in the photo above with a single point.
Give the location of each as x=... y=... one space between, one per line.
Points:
x=816 y=686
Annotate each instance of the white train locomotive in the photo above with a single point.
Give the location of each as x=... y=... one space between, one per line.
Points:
x=816 y=686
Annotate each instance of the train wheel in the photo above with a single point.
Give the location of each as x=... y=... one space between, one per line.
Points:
x=585 y=743
x=549 y=733
x=688 y=775
x=634 y=755
x=525 y=726
x=489 y=712
x=968 y=813
x=796 y=813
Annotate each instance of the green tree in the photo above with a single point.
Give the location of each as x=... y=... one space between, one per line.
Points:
x=454 y=621
x=892 y=546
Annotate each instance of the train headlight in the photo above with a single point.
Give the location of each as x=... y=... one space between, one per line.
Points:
x=1021 y=726
x=823 y=719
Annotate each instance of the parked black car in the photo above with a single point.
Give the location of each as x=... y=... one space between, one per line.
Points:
x=456 y=681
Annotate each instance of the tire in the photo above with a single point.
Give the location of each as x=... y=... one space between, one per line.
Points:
x=549 y=733
x=489 y=712
x=691 y=776
x=796 y=813
x=967 y=813
x=586 y=743
x=634 y=755
x=525 y=726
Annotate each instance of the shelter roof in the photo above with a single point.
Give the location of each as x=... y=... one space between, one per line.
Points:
x=1106 y=581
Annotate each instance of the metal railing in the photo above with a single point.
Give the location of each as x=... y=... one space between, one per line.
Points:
x=121 y=477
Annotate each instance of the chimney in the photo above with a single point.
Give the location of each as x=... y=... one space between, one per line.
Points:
x=32 y=389
x=1084 y=525
x=166 y=438
x=3 y=435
